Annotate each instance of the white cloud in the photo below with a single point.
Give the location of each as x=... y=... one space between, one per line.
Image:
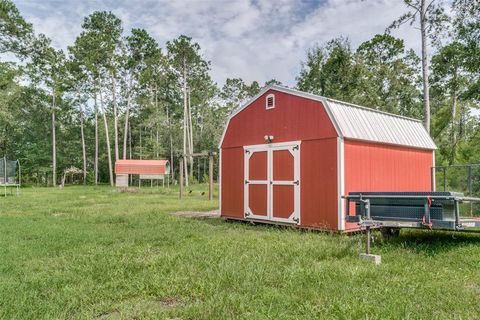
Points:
x=254 y=40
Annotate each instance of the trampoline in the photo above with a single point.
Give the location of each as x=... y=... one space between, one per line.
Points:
x=10 y=175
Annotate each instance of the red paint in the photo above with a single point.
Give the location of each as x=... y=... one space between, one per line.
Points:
x=283 y=195
x=257 y=199
x=293 y=118
x=282 y=165
x=282 y=201
x=141 y=167
x=232 y=183
x=379 y=167
x=258 y=166
x=318 y=181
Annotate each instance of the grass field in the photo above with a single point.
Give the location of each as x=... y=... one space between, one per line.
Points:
x=85 y=252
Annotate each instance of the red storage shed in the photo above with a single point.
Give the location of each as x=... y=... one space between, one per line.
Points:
x=288 y=157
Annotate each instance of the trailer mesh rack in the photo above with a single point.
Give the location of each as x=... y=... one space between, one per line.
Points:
x=433 y=210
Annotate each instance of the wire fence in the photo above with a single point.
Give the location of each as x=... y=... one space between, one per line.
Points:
x=459 y=178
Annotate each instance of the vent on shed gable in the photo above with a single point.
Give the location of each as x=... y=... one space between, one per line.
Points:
x=270 y=101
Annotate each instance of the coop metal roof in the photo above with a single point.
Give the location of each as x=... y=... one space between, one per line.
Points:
x=361 y=123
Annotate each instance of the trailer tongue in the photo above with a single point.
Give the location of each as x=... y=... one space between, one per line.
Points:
x=432 y=210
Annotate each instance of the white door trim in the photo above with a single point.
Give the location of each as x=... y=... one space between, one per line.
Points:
x=294 y=148
x=248 y=152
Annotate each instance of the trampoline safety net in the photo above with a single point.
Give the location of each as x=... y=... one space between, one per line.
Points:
x=9 y=172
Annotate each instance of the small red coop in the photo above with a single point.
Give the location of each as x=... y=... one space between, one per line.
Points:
x=145 y=169
x=288 y=157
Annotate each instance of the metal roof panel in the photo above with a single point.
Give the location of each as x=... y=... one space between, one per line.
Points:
x=361 y=123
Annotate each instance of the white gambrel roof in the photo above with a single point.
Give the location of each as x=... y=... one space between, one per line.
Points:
x=361 y=123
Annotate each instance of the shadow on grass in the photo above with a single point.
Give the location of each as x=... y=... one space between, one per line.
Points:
x=429 y=242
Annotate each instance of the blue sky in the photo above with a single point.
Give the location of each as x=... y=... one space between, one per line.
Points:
x=254 y=40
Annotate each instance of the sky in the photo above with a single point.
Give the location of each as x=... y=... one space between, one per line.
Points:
x=251 y=39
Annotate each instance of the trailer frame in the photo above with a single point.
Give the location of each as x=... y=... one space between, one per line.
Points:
x=459 y=223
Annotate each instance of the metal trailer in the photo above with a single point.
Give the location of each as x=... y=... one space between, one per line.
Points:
x=391 y=211
x=395 y=210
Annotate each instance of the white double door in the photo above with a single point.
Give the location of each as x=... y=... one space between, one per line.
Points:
x=272 y=182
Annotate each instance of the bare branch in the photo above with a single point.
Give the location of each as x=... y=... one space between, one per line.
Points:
x=414 y=7
x=429 y=5
x=409 y=4
x=407 y=17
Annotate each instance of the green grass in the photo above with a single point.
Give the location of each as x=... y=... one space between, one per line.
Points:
x=85 y=252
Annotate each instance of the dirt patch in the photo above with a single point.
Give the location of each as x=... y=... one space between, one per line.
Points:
x=197 y=214
x=114 y=314
x=171 y=302
x=128 y=190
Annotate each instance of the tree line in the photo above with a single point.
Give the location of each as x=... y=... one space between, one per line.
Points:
x=116 y=94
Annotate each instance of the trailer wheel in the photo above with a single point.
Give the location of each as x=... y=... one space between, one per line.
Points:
x=388 y=233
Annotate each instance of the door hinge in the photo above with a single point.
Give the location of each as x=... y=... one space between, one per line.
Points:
x=247 y=214
x=296 y=182
x=296 y=220
x=247 y=151
x=247 y=182
x=271 y=182
x=295 y=147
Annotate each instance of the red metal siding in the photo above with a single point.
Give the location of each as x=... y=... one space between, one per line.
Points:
x=368 y=166
x=293 y=118
x=283 y=195
x=258 y=166
x=318 y=182
x=232 y=183
x=283 y=203
x=282 y=165
x=378 y=167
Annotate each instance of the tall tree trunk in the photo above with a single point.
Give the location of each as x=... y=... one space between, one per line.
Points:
x=185 y=121
x=130 y=147
x=130 y=140
x=141 y=143
x=84 y=152
x=115 y=114
x=127 y=119
x=156 y=122
x=107 y=140
x=95 y=165
x=54 y=143
x=454 y=127
x=426 y=96
x=172 y=171
x=190 y=129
